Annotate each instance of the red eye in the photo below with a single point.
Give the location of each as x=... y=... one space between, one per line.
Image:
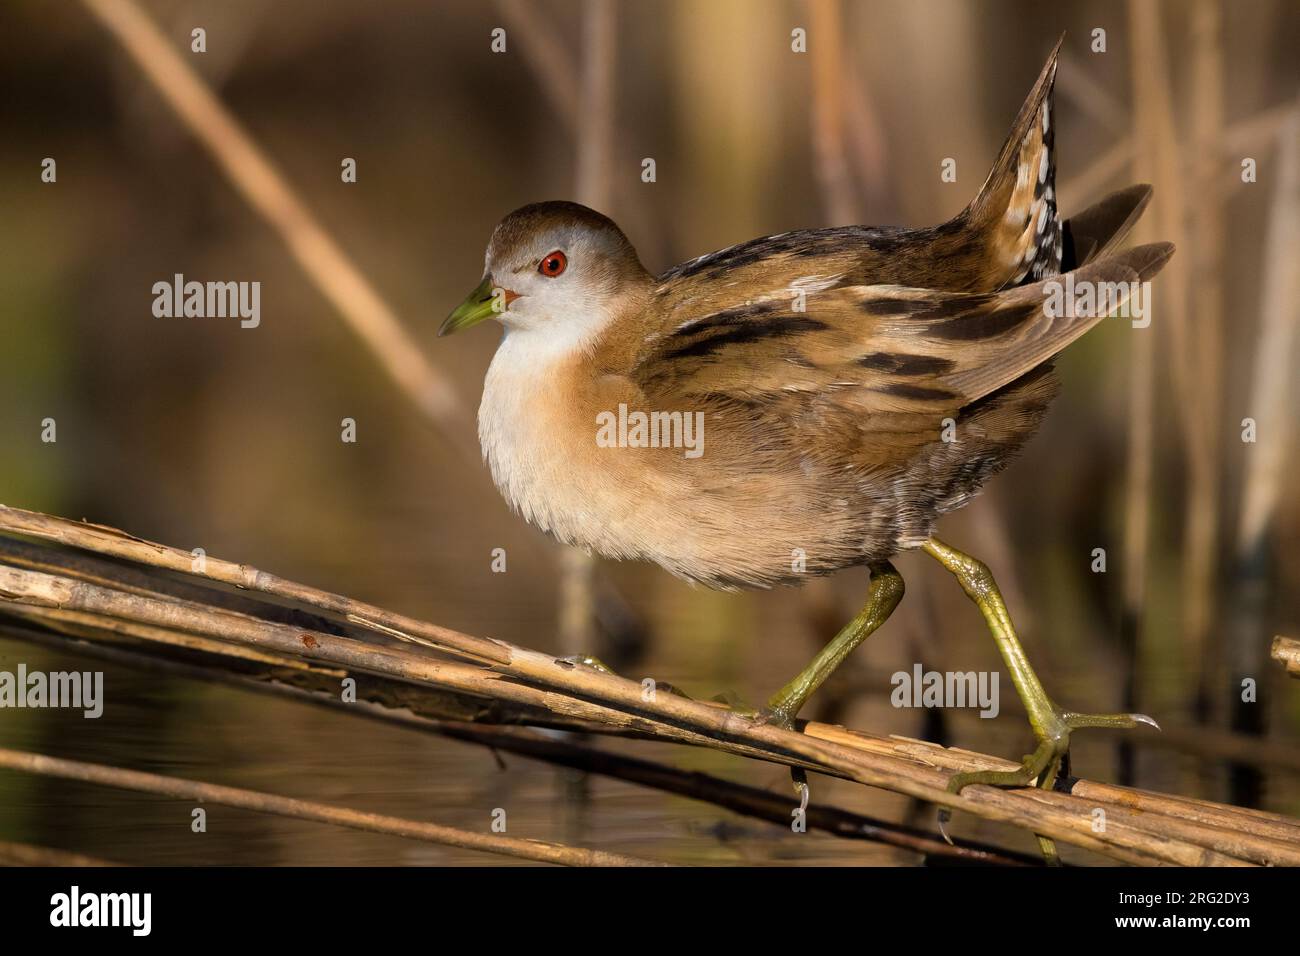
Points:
x=553 y=264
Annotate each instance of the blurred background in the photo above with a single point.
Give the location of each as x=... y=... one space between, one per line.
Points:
x=198 y=433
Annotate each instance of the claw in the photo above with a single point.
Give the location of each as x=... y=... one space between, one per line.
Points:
x=945 y=814
x=1077 y=721
x=1144 y=719
x=799 y=777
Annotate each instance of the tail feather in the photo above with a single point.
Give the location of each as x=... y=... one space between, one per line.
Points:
x=1090 y=234
x=1016 y=207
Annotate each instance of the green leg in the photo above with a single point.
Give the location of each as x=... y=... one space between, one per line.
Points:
x=1046 y=844
x=883 y=595
x=1051 y=724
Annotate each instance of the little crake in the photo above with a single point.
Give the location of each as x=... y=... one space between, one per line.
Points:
x=853 y=385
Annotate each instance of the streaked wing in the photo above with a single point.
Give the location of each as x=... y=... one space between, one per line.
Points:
x=877 y=348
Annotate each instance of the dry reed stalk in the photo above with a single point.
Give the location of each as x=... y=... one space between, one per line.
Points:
x=931 y=755
x=539 y=680
x=396 y=710
x=839 y=199
x=1160 y=162
x=423 y=707
x=1151 y=120
x=536 y=850
x=1196 y=740
x=592 y=186
x=1242 y=137
x=1202 y=387
x=869 y=154
x=1286 y=651
x=422 y=702
x=255 y=177
x=24 y=854
x=1076 y=83
x=1265 y=472
x=595 y=131
x=1273 y=378
x=109 y=541
x=1201 y=508
x=534 y=34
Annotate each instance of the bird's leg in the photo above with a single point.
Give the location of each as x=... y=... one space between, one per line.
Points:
x=1046 y=782
x=1051 y=724
x=883 y=595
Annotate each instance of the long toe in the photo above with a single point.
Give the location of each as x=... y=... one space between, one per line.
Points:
x=1114 y=721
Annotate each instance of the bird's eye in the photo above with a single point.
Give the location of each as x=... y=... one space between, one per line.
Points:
x=553 y=264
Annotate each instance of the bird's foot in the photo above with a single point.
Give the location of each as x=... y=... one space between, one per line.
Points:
x=775 y=715
x=784 y=706
x=1052 y=728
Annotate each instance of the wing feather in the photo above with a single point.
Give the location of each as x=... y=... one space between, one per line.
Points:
x=877 y=348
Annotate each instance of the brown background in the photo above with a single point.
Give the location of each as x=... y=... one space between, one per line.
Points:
x=200 y=434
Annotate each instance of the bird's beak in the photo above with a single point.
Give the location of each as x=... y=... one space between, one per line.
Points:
x=478 y=305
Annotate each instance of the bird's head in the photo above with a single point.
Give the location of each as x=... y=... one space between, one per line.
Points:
x=553 y=266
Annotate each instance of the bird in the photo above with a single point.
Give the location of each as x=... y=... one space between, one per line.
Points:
x=805 y=402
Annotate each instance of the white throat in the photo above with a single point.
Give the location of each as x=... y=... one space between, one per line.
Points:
x=521 y=440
